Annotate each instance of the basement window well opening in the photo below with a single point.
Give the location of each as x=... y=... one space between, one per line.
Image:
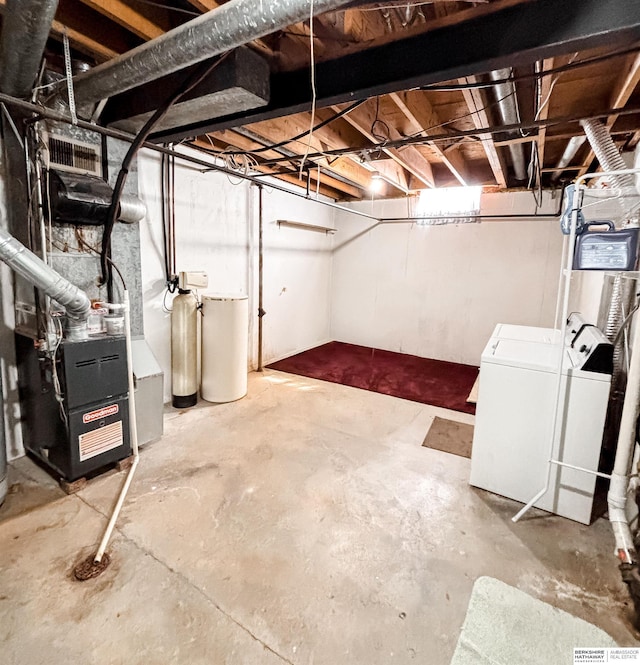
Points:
x=448 y=205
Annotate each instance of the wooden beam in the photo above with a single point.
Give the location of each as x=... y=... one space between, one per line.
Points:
x=126 y=16
x=625 y=87
x=80 y=24
x=83 y=43
x=205 y=5
x=409 y=157
x=417 y=108
x=546 y=89
x=476 y=106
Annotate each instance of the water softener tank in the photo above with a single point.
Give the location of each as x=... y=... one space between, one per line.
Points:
x=184 y=350
x=225 y=331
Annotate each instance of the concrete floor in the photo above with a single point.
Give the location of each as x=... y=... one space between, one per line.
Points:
x=303 y=524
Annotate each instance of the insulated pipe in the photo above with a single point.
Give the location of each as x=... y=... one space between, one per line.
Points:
x=37 y=272
x=233 y=24
x=25 y=30
x=508 y=105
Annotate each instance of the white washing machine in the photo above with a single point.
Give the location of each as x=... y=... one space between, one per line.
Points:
x=515 y=411
x=526 y=333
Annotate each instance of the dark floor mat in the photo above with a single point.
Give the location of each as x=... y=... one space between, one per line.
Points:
x=450 y=436
x=424 y=380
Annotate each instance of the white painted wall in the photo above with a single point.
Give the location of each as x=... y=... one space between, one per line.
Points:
x=438 y=291
x=217 y=231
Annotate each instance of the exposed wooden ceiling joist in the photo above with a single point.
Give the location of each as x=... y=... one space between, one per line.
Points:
x=429 y=57
x=120 y=12
x=416 y=107
x=363 y=119
x=477 y=108
x=627 y=83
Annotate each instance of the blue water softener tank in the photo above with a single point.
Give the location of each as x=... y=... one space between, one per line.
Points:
x=606 y=249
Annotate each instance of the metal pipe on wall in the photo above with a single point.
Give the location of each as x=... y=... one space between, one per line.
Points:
x=4 y=486
x=25 y=30
x=222 y=29
x=508 y=105
x=261 y=311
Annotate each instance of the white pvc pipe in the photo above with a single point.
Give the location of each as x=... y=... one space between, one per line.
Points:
x=133 y=429
x=617 y=495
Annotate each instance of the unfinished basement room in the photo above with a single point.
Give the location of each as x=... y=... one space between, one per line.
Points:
x=319 y=332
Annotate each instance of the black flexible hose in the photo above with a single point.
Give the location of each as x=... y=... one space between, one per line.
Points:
x=196 y=77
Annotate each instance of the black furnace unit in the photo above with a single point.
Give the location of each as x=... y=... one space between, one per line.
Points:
x=78 y=421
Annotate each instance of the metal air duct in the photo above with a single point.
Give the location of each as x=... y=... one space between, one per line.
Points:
x=25 y=29
x=219 y=30
x=37 y=272
x=569 y=153
x=508 y=105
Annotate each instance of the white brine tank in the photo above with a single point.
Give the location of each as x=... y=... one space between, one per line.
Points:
x=225 y=325
x=184 y=350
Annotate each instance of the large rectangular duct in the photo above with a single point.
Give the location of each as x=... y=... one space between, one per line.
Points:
x=239 y=83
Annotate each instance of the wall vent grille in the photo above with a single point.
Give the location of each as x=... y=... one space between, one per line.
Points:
x=67 y=154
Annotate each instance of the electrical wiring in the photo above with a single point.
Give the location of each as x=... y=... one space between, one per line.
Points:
x=523 y=77
x=293 y=139
x=552 y=85
x=168 y=7
x=194 y=79
x=464 y=134
x=82 y=242
x=57 y=388
x=381 y=138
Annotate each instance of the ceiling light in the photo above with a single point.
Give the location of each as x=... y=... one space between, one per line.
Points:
x=377 y=182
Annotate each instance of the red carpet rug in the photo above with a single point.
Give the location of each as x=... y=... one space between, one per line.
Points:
x=434 y=382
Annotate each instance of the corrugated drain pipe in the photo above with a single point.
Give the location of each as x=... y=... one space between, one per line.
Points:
x=219 y=30
x=508 y=105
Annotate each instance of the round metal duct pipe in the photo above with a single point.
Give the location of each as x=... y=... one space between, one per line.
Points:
x=220 y=30
x=37 y=272
x=25 y=30
x=508 y=105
